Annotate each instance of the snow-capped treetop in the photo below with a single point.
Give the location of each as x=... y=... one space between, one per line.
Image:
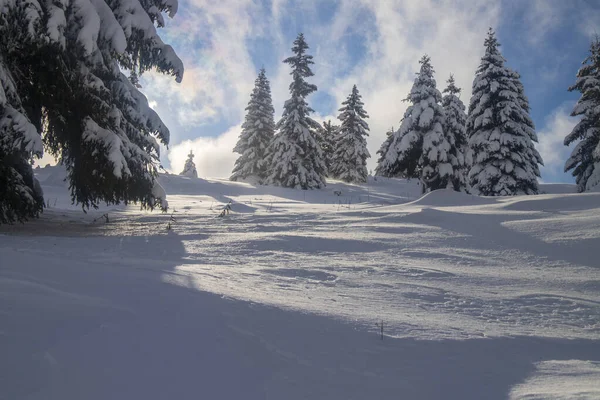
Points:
x=585 y=158
x=294 y=156
x=454 y=130
x=258 y=130
x=300 y=63
x=350 y=154
x=419 y=147
x=424 y=86
x=352 y=110
x=501 y=134
x=189 y=169
x=492 y=52
x=452 y=90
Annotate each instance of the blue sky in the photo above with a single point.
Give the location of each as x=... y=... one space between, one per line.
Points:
x=374 y=44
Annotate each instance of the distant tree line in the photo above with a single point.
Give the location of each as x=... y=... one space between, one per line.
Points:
x=487 y=149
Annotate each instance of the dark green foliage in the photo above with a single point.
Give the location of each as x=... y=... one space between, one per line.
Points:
x=585 y=158
x=66 y=80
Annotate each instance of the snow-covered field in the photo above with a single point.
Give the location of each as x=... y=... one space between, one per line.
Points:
x=480 y=298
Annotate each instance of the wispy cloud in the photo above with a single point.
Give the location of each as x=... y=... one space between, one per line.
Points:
x=210 y=37
x=551 y=141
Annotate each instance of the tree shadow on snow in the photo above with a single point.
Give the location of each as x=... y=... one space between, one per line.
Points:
x=375 y=192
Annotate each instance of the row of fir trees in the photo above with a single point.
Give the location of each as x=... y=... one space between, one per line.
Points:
x=303 y=152
x=487 y=151
x=63 y=89
x=491 y=148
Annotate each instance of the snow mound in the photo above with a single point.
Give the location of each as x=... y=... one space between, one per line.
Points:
x=557 y=188
x=251 y=180
x=561 y=379
x=555 y=203
x=450 y=198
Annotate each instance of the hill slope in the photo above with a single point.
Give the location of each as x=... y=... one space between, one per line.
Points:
x=479 y=297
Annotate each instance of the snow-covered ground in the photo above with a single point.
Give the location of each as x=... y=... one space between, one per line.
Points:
x=489 y=298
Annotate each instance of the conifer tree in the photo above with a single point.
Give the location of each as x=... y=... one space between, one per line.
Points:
x=350 y=154
x=502 y=157
x=383 y=150
x=585 y=158
x=189 y=169
x=257 y=132
x=327 y=139
x=420 y=147
x=20 y=194
x=295 y=157
x=62 y=66
x=454 y=129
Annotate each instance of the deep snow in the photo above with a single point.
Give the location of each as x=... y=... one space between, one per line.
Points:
x=480 y=297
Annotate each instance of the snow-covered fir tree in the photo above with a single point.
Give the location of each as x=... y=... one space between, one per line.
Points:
x=189 y=169
x=585 y=158
x=257 y=132
x=327 y=137
x=454 y=129
x=502 y=157
x=350 y=154
x=20 y=194
x=295 y=157
x=62 y=80
x=385 y=146
x=420 y=147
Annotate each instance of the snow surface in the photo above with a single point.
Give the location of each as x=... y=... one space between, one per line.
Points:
x=489 y=298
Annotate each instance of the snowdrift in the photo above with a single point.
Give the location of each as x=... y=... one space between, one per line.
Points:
x=450 y=198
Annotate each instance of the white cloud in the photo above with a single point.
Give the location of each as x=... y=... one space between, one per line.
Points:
x=214 y=157
x=542 y=17
x=211 y=40
x=589 y=25
x=551 y=141
x=547 y=16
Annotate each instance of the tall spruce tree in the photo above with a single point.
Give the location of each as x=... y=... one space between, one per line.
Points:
x=502 y=157
x=327 y=137
x=62 y=68
x=257 y=132
x=454 y=129
x=585 y=158
x=383 y=149
x=420 y=147
x=189 y=169
x=295 y=157
x=350 y=154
